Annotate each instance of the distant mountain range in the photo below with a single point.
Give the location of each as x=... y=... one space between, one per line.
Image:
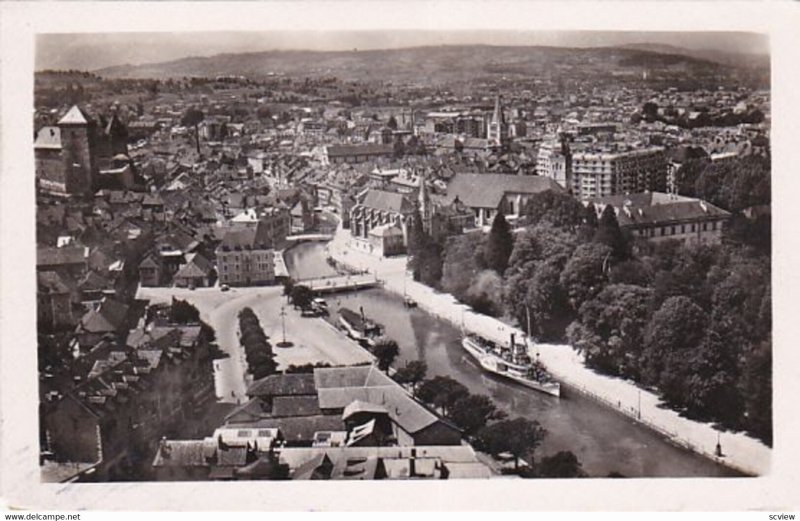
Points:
x=433 y=64
x=725 y=58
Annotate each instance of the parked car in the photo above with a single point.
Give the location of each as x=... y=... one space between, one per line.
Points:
x=224 y=287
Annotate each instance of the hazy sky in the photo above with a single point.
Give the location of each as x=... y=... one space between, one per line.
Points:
x=98 y=50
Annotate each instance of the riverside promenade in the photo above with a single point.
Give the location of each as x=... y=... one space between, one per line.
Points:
x=739 y=451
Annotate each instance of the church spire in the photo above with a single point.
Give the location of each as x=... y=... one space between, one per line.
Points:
x=497 y=117
x=497 y=131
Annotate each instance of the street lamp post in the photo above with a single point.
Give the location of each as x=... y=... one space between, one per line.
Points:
x=283 y=324
x=639 y=414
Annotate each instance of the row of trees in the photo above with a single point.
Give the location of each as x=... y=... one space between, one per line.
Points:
x=691 y=321
x=257 y=349
x=696 y=326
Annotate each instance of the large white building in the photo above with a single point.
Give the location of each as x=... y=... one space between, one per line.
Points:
x=601 y=174
x=658 y=216
x=601 y=171
x=553 y=161
x=245 y=257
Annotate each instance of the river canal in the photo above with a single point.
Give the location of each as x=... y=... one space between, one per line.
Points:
x=604 y=440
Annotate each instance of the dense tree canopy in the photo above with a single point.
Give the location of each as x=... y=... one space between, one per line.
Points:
x=563 y=464
x=182 y=312
x=609 y=233
x=585 y=273
x=674 y=332
x=302 y=296
x=472 y=412
x=441 y=392
x=730 y=185
x=463 y=260
x=520 y=437
x=558 y=209
x=499 y=244
x=610 y=328
x=411 y=374
x=385 y=350
x=692 y=321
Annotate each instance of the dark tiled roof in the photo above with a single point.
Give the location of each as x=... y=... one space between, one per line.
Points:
x=403 y=410
x=360 y=150
x=262 y=467
x=284 y=406
x=651 y=208
x=109 y=317
x=198 y=266
x=341 y=386
x=181 y=453
x=301 y=428
x=250 y=411
x=262 y=239
x=51 y=282
x=301 y=384
x=307 y=469
x=257 y=238
x=389 y=201
x=232 y=456
x=238 y=239
x=93 y=281
x=487 y=190
x=355 y=376
x=60 y=256
x=151 y=261
x=152 y=200
x=178 y=239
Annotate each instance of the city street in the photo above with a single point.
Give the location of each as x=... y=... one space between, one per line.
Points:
x=313 y=340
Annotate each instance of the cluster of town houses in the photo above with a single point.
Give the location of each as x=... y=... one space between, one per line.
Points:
x=146 y=202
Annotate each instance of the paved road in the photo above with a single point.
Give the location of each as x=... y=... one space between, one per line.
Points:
x=313 y=339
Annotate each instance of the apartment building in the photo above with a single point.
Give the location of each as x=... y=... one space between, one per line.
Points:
x=245 y=257
x=554 y=162
x=602 y=174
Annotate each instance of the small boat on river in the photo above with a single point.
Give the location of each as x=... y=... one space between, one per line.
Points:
x=512 y=362
x=358 y=326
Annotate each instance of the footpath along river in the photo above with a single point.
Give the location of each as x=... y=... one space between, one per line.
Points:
x=604 y=440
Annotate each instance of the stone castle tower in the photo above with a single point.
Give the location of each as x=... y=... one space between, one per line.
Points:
x=76 y=151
